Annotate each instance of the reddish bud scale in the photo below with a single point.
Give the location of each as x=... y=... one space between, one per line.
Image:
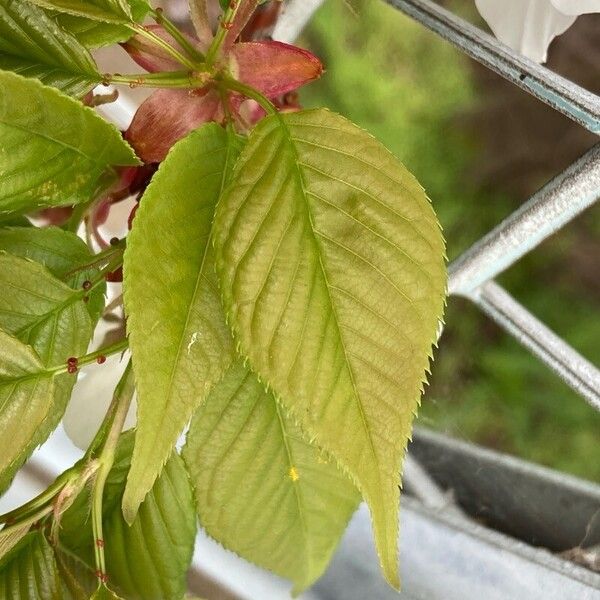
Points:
x=100 y=543
x=101 y=359
x=227 y=25
x=87 y=284
x=115 y=276
x=132 y=216
x=72 y=369
x=72 y=360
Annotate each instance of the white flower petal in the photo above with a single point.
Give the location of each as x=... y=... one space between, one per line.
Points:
x=577 y=7
x=527 y=26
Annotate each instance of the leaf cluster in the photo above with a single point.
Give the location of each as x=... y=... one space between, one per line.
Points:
x=283 y=283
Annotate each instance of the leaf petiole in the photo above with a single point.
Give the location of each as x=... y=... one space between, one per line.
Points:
x=224 y=24
x=122 y=401
x=159 y=16
x=170 y=79
x=174 y=53
x=249 y=92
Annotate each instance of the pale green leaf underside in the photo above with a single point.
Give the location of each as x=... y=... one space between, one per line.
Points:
x=53 y=150
x=261 y=490
x=33 y=45
x=29 y=572
x=177 y=335
x=42 y=311
x=52 y=318
x=109 y=11
x=62 y=253
x=26 y=398
x=149 y=559
x=331 y=262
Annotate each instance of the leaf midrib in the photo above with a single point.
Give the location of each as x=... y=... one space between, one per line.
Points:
x=302 y=186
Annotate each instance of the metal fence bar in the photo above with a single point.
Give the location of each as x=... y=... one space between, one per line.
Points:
x=566 y=362
x=559 y=201
x=561 y=94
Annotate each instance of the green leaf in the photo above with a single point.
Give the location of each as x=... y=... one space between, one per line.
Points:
x=53 y=319
x=33 y=45
x=27 y=393
x=53 y=150
x=179 y=341
x=78 y=579
x=29 y=572
x=109 y=11
x=63 y=253
x=94 y=34
x=261 y=489
x=103 y=593
x=11 y=535
x=331 y=264
x=42 y=311
x=150 y=558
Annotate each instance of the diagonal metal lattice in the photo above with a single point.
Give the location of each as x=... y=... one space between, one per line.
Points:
x=556 y=204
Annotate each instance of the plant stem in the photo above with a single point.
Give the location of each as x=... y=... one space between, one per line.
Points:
x=98 y=258
x=180 y=58
x=122 y=400
x=38 y=503
x=249 y=92
x=171 y=79
x=159 y=16
x=225 y=22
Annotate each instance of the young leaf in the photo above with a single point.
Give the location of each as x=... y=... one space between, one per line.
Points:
x=331 y=262
x=108 y=11
x=29 y=572
x=261 y=490
x=26 y=396
x=95 y=34
x=53 y=319
x=54 y=151
x=63 y=253
x=42 y=311
x=178 y=339
x=32 y=44
x=150 y=558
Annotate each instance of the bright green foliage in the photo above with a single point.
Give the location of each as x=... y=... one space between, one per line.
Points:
x=94 y=34
x=33 y=45
x=51 y=142
x=29 y=572
x=108 y=11
x=150 y=558
x=26 y=398
x=42 y=311
x=261 y=489
x=332 y=271
x=53 y=319
x=179 y=340
x=62 y=253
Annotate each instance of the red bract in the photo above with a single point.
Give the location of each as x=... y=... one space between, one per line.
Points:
x=272 y=68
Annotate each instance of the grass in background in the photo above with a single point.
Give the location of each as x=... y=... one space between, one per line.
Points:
x=415 y=93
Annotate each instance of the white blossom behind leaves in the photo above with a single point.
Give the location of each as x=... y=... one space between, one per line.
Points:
x=529 y=26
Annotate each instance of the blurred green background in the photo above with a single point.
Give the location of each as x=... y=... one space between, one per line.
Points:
x=479 y=148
